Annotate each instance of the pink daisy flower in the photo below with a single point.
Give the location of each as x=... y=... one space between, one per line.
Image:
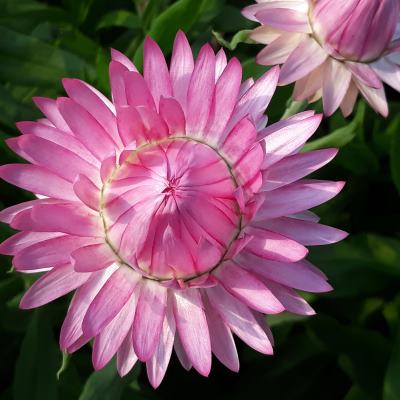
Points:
x=332 y=49
x=176 y=217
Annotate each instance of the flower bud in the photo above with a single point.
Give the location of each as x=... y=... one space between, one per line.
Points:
x=356 y=30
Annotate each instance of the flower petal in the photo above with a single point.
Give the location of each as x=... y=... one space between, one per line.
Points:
x=247 y=288
x=192 y=327
x=109 y=301
x=307 y=56
x=52 y=285
x=149 y=317
x=239 y=319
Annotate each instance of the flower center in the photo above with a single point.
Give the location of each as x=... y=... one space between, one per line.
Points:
x=170 y=210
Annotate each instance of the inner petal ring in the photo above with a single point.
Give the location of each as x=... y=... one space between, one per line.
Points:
x=169 y=210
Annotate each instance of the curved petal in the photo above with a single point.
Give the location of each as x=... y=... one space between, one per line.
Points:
x=192 y=327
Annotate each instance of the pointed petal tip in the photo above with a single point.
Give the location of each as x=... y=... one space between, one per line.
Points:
x=67 y=82
x=24 y=304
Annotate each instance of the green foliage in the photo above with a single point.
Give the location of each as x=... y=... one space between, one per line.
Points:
x=350 y=350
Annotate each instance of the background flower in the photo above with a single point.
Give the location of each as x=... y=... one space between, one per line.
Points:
x=348 y=346
x=331 y=49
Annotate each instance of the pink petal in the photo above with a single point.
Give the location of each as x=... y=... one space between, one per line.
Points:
x=117 y=81
x=192 y=327
x=71 y=329
x=181 y=69
x=279 y=50
x=137 y=91
x=255 y=100
x=172 y=113
x=88 y=192
x=107 y=343
x=126 y=357
x=51 y=156
x=303 y=195
x=296 y=275
x=290 y=299
x=130 y=125
x=59 y=137
x=349 y=100
x=49 y=108
x=376 y=98
x=222 y=343
x=149 y=317
x=388 y=72
x=157 y=365
x=181 y=354
x=122 y=59
x=295 y=167
x=66 y=218
x=107 y=167
x=8 y=214
x=307 y=56
x=248 y=168
x=248 y=289
x=37 y=180
x=95 y=103
x=239 y=319
x=52 y=252
x=52 y=285
x=22 y=240
x=156 y=72
x=304 y=232
x=109 y=301
x=154 y=126
x=305 y=88
x=273 y=246
x=220 y=63
x=335 y=85
x=365 y=74
x=201 y=91
x=86 y=128
x=93 y=257
x=224 y=100
x=239 y=140
x=284 y=18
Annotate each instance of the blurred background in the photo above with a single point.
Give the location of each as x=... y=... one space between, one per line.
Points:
x=350 y=350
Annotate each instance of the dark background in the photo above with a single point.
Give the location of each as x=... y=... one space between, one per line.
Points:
x=350 y=350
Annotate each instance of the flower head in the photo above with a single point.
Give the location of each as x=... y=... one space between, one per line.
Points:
x=332 y=48
x=172 y=212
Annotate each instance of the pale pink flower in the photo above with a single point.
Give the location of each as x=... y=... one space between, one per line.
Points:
x=176 y=217
x=332 y=49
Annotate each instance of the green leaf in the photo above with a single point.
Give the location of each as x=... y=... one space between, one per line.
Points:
x=122 y=18
x=363 y=353
x=79 y=8
x=358 y=158
x=180 y=15
x=394 y=157
x=239 y=37
x=374 y=259
x=37 y=364
x=293 y=107
x=391 y=389
x=340 y=137
x=106 y=384
x=230 y=19
x=13 y=108
x=27 y=60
